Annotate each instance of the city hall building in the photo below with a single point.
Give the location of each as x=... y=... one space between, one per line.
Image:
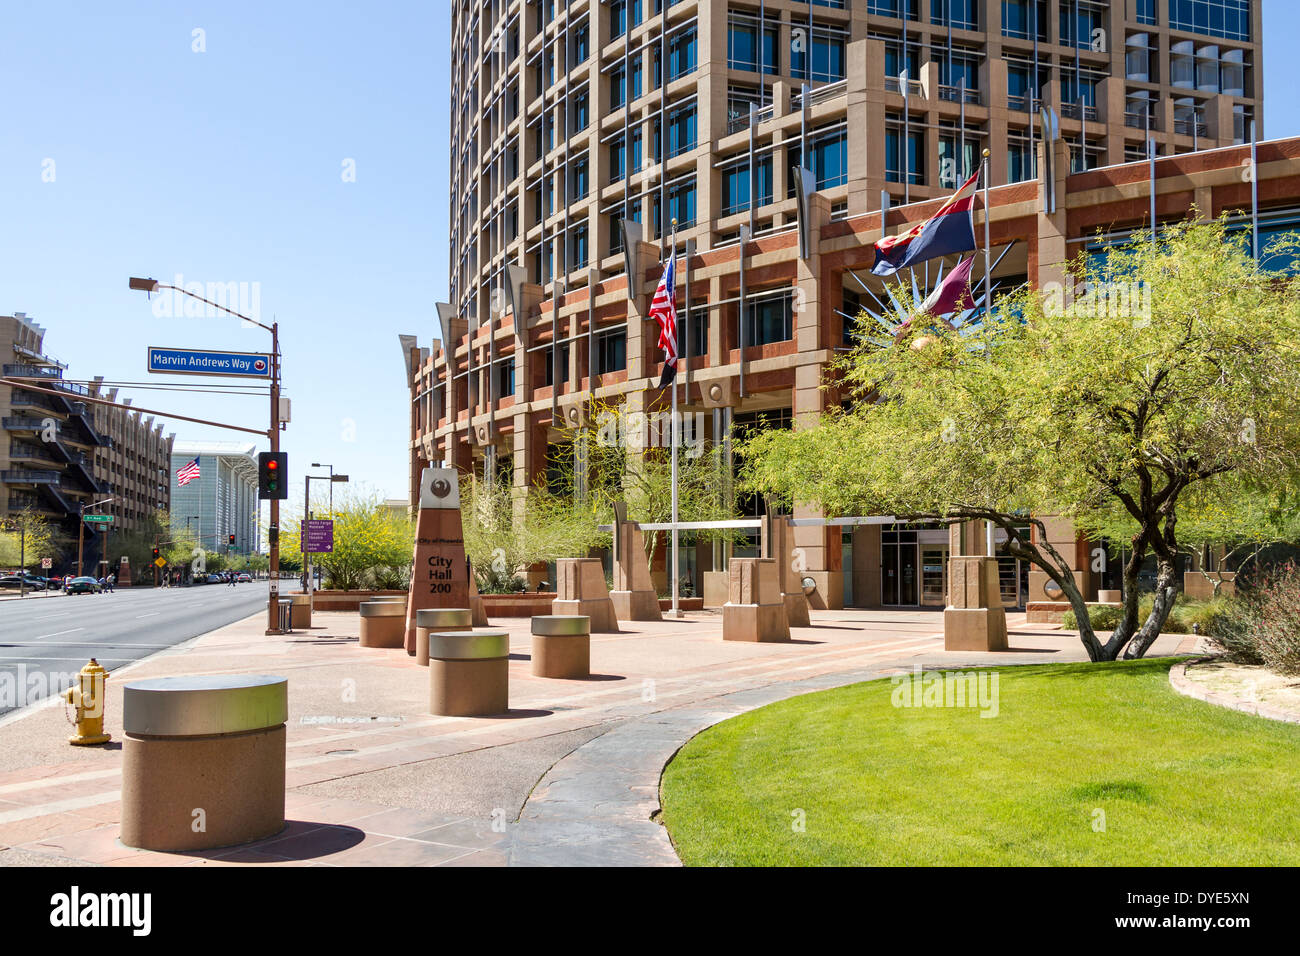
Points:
x=786 y=139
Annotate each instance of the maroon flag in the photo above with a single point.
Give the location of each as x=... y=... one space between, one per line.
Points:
x=953 y=293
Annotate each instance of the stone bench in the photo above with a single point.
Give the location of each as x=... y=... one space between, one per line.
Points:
x=562 y=646
x=445 y=619
x=203 y=760
x=383 y=623
x=469 y=673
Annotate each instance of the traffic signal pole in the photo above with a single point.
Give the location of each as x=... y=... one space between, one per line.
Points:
x=273 y=600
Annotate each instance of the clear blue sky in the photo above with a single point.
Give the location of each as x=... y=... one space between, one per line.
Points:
x=226 y=166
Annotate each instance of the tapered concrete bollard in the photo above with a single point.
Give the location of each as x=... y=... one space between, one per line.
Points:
x=634 y=596
x=469 y=673
x=448 y=619
x=755 y=610
x=383 y=623
x=580 y=589
x=203 y=761
x=300 y=611
x=974 y=619
x=562 y=647
x=778 y=544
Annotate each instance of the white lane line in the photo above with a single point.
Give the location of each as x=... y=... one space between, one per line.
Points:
x=151 y=614
x=71 y=630
x=79 y=644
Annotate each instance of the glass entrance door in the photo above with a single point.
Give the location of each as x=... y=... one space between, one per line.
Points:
x=899 y=571
x=934 y=576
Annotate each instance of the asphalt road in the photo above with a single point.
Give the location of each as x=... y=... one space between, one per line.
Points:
x=45 y=640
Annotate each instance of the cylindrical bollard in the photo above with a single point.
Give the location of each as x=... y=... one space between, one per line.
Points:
x=300 y=611
x=203 y=760
x=469 y=673
x=562 y=646
x=383 y=624
x=449 y=619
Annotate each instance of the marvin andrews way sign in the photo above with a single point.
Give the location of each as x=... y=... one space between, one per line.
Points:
x=202 y=362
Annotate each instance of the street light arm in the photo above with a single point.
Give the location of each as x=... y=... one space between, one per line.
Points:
x=152 y=285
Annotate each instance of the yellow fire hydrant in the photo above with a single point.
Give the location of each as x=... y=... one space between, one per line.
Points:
x=88 y=700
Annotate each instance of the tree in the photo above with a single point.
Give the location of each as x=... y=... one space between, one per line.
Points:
x=25 y=537
x=506 y=534
x=628 y=458
x=373 y=546
x=1184 y=392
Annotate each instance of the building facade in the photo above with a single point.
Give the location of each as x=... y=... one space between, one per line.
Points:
x=521 y=351
x=570 y=118
x=60 y=453
x=222 y=500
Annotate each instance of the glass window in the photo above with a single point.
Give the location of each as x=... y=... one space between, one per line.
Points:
x=1219 y=18
x=611 y=352
x=769 y=319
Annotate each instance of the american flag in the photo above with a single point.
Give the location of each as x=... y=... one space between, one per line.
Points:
x=664 y=310
x=188 y=472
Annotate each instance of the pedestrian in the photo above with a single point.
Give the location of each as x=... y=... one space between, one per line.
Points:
x=111 y=582
x=232 y=579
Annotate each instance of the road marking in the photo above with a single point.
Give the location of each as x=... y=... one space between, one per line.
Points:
x=71 y=630
x=152 y=614
x=79 y=644
x=59 y=806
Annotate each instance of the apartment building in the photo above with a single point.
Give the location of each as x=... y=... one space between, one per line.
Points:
x=60 y=453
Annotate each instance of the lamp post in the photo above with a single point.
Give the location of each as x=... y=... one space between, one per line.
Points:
x=306 y=516
x=273 y=435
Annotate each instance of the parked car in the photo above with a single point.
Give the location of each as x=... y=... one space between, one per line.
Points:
x=215 y=578
x=15 y=581
x=83 y=585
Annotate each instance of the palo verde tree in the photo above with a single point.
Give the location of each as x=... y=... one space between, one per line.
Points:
x=627 y=456
x=1170 y=376
x=25 y=537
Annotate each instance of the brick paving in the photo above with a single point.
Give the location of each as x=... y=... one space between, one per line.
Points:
x=569 y=775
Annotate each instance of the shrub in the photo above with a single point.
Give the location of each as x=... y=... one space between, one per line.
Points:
x=1182 y=616
x=1263 y=625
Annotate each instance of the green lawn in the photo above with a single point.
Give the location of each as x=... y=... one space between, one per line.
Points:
x=1178 y=781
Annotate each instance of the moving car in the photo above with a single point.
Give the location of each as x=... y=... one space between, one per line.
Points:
x=83 y=585
x=243 y=578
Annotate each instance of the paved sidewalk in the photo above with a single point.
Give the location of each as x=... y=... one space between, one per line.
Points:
x=373 y=779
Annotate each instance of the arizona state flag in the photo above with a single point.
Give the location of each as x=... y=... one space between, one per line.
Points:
x=949 y=231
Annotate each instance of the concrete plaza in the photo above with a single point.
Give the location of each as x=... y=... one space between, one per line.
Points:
x=568 y=777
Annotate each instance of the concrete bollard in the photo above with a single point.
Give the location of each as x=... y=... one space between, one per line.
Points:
x=469 y=673
x=446 y=619
x=580 y=589
x=756 y=609
x=562 y=646
x=300 y=611
x=383 y=623
x=203 y=760
x=974 y=619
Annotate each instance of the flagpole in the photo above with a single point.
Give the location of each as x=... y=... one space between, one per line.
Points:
x=676 y=612
x=988 y=307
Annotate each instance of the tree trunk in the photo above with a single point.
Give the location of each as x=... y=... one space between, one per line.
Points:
x=1122 y=634
x=1166 y=593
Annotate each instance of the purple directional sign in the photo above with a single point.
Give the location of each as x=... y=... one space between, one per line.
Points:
x=318 y=536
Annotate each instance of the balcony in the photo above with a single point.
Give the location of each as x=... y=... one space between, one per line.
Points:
x=1075 y=110
x=914 y=87
x=823 y=94
x=1024 y=103
x=953 y=94
x=21 y=423
x=1187 y=127
x=27 y=476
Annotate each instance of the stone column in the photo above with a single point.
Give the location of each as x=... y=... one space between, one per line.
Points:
x=974 y=619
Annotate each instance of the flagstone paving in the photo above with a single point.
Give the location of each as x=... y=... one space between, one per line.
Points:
x=569 y=776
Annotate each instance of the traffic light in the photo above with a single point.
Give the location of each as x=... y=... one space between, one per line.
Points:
x=232 y=539
x=155 y=554
x=271 y=475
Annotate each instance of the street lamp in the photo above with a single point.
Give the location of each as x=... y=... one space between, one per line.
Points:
x=334 y=479
x=273 y=434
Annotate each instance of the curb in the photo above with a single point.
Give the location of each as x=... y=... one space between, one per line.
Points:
x=1184 y=685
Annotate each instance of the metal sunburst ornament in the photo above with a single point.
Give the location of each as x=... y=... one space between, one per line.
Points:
x=893 y=318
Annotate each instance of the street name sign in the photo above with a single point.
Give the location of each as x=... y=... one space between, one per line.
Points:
x=169 y=361
x=98 y=519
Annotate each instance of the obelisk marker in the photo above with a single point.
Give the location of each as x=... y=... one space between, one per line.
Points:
x=440 y=575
